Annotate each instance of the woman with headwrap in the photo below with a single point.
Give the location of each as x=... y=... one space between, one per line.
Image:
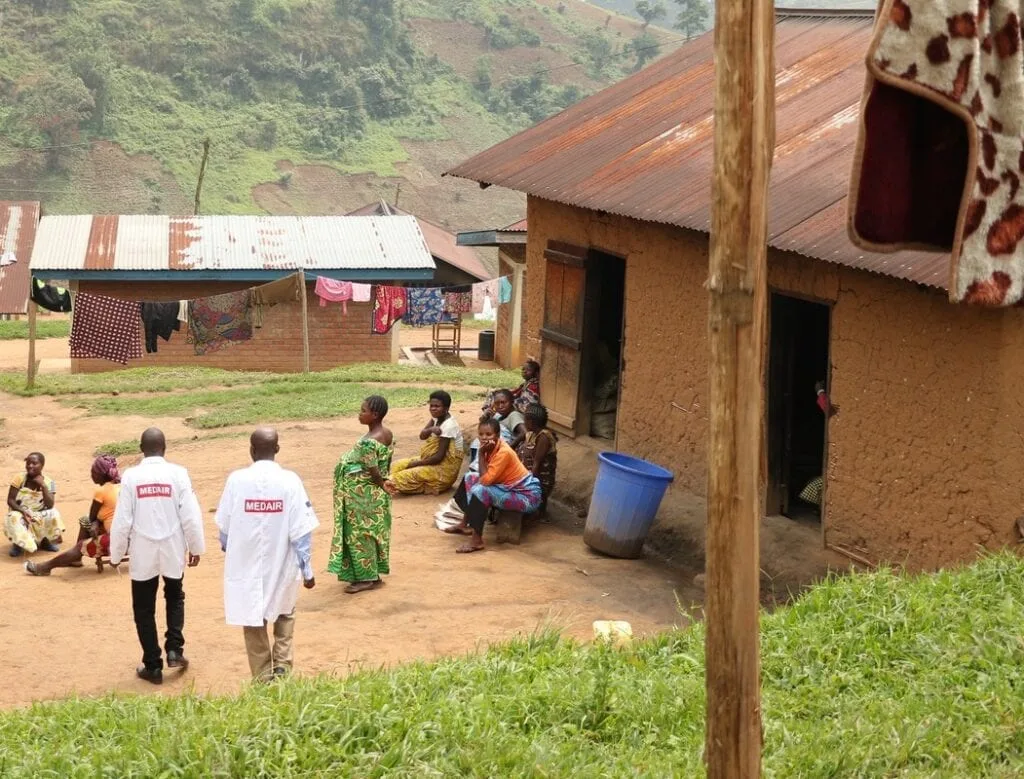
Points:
x=94 y=530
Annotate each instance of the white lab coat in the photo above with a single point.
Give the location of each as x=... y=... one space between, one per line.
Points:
x=263 y=511
x=158 y=513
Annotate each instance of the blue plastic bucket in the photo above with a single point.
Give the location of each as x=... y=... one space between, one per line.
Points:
x=626 y=498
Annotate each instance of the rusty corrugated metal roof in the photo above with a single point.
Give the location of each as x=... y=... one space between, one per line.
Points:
x=515 y=227
x=643 y=147
x=211 y=244
x=17 y=234
x=441 y=242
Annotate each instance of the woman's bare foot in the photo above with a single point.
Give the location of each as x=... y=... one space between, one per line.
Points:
x=470 y=546
x=363 y=586
x=459 y=530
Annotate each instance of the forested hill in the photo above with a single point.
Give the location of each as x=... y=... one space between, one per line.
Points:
x=311 y=106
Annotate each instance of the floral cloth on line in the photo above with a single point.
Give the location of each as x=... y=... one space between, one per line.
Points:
x=216 y=321
x=458 y=302
x=426 y=307
x=388 y=307
x=361 y=547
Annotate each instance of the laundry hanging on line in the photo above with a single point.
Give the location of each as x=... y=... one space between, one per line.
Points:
x=50 y=297
x=483 y=290
x=159 y=319
x=945 y=82
x=388 y=307
x=459 y=300
x=286 y=290
x=333 y=291
x=361 y=293
x=425 y=306
x=105 y=328
x=504 y=290
x=214 y=322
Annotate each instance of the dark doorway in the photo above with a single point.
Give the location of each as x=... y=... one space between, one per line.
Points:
x=798 y=359
x=606 y=284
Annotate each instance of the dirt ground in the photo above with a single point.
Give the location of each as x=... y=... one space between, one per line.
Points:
x=72 y=633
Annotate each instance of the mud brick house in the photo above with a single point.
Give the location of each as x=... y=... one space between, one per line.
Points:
x=170 y=258
x=921 y=465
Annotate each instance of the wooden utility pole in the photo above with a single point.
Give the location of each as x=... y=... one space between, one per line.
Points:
x=30 y=381
x=305 y=322
x=202 y=173
x=744 y=144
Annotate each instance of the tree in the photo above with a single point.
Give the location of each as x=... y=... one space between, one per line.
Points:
x=693 y=17
x=645 y=47
x=56 y=105
x=650 y=10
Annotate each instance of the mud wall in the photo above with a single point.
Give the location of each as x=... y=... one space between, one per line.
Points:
x=923 y=457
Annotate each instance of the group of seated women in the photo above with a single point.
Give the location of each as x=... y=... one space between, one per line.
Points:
x=513 y=460
x=33 y=522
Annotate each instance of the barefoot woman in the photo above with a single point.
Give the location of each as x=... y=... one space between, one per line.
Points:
x=362 y=507
x=503 y=483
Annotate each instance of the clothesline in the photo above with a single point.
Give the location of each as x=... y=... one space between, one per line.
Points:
x=104 y=327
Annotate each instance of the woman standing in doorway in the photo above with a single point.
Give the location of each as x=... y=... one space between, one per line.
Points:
x=362 y=506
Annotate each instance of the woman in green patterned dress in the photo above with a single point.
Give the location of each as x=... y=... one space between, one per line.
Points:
x=362 y=507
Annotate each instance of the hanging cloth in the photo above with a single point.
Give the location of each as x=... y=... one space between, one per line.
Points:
x=938 y=162
x=361 y=293
x=483 y=290
x=286 y=290
x=458 y=300
x=105 y=328
x=331 y=291
x=504 y=290
x=426 y=307
x=216 y=321
x=50 y=297
x=159 y=319
x=183 y=311
x=388 y=307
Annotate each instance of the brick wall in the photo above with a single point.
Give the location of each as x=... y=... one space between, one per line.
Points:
x=334 y=339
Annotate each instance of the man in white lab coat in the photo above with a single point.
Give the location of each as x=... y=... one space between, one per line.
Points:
x=159 y=517
x=266 y=524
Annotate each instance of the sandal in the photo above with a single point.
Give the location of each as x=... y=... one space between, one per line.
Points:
x=469 y=549
x=30 y=568
x=458 y=530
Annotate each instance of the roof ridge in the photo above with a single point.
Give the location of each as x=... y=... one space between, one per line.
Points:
x=824 y=13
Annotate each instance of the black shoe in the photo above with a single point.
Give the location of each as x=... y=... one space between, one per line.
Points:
x=151 y=675
x=177 y=660
x=280 y=673
x=48 y=546
x=16 y=551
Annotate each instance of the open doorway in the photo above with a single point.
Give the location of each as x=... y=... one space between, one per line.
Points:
x=798 y=360
x=606 y=282
x=582 y=339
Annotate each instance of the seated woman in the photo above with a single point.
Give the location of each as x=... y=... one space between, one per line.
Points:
x=94 y=530
x=513 y=425
x=440 y=459
x=503 y=483
x=32 y=522
x=539 y=452
x=526 y=394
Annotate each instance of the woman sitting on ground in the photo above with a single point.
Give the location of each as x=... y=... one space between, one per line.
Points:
x=32 y=522
x=360 y=550
x=94 y=529
x=440 y=458
x=503 y=483
x=539 y=452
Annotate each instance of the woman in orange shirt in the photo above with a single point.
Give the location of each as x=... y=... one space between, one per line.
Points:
x=503 y=483
x=94 y=530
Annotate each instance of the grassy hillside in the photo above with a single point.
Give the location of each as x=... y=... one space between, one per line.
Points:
x=873 y=675
x=312 y=106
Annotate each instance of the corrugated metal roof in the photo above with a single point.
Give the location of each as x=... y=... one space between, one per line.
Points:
x=442 y=243
x=230 y=243
x=515 y=227
x=17 y=234
x=643 y=147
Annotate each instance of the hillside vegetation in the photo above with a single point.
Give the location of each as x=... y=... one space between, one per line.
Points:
x=280 y=87
x=870 y=675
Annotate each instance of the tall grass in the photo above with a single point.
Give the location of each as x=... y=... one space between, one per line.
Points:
x=871 y=675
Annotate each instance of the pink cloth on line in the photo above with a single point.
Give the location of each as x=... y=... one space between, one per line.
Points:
x=361 y=293
x=334 y=291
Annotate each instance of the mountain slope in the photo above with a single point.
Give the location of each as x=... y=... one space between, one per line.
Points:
x=311 y=106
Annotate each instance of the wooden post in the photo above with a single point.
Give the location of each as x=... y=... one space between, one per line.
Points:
x=744 y=144
x=31 y=378
x=305 y=322
x=516 y=328
x=202 y=174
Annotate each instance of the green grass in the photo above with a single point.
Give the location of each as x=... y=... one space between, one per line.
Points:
x=130 y=446
x=171 y=379
x=17 y=330
x=872 y=675
x=478 y=324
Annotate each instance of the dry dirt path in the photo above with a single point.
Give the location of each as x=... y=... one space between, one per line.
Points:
x=72 y=633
